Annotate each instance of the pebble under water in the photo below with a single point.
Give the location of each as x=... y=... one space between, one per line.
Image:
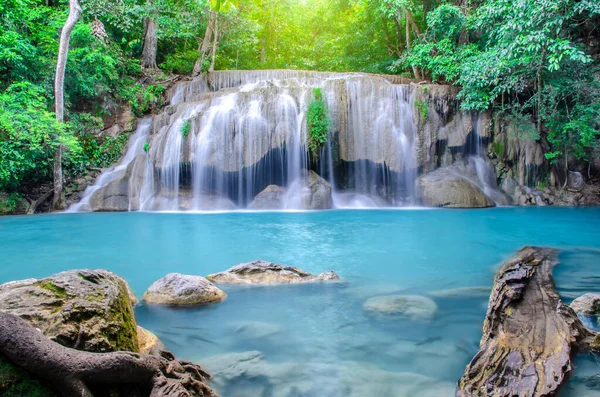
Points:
x=317 y=340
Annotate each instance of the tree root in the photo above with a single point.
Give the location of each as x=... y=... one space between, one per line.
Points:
x=73 y=372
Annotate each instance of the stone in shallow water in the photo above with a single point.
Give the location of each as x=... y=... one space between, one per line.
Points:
x=263 y=272
x=248 y=373
x=147 y=341
x=415 y=307
x=85 y=309
x=588 y=304
x=181 y=289
x=256 y=329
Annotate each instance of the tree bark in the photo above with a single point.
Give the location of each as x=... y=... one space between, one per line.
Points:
x=214 y=45
x=410 y=21
x=72 y=371
x=204 y=50
x=59 y=97
x=150 y=40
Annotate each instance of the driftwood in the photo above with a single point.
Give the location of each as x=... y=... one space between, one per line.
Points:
x=529 y=335
x=73 y=372
x=34 y=204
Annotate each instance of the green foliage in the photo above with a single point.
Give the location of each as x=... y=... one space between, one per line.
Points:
x=499 y=148
x=422 y=107
x=29 y=134
x=185 y=129
x=143 y=99
x=317 y=122
x=146 y=147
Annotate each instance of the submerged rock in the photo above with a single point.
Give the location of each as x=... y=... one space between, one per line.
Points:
x=250 y=374
x=588 y=304
x=84 y=309
x=443 y=188
x=528 y=333
x=263 y=272
x=414 y=307
x=272 y=197
x=180 y=289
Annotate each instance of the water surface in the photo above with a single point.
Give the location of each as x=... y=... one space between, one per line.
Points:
x=316 y=340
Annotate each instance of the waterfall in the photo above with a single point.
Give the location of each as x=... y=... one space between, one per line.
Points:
x=223 y=140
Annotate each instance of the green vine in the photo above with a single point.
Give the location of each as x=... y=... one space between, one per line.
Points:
x=317 y=122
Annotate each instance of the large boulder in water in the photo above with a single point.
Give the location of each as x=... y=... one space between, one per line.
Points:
x=181 y=289
x=414 y=307
x=85 y=309
x=272 y=197
x=114 y=196
x=263 y=272
x=444 y=188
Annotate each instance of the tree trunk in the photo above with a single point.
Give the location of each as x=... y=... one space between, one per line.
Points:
x=204 y=50
x=410 y=21
x=72 y=371
x=59 y=97
x=215 y=44
x=150 y=40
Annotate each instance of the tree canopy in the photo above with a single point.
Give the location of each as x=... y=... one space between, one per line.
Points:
x=534 y=59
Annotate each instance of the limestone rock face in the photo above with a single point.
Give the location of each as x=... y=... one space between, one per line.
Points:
x=180 y=289
x=263 y=272
x=320 y=192
x=115 y=195
x=588 y=304
x=414 y=307
x=84 y=309
x=270 y=198
x=446 y=189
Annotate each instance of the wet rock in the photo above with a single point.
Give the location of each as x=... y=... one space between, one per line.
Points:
x=84 y=309
x=180 y=289
x=263 y=272
x=444 y=188
x=147 y=341
x=319 y=192
x=414 y=307
x=271 y=197
x=588 y=304
x=528 y=333
x=115 y=195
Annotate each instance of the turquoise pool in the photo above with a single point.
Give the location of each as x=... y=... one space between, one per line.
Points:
x=316 y=340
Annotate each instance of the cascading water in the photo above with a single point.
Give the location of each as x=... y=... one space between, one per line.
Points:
x=222 y=141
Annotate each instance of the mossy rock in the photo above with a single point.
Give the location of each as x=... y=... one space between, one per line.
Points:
x=84 y=309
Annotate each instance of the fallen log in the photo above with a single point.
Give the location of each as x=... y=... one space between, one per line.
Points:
x=73 y=372
x=529 y=335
